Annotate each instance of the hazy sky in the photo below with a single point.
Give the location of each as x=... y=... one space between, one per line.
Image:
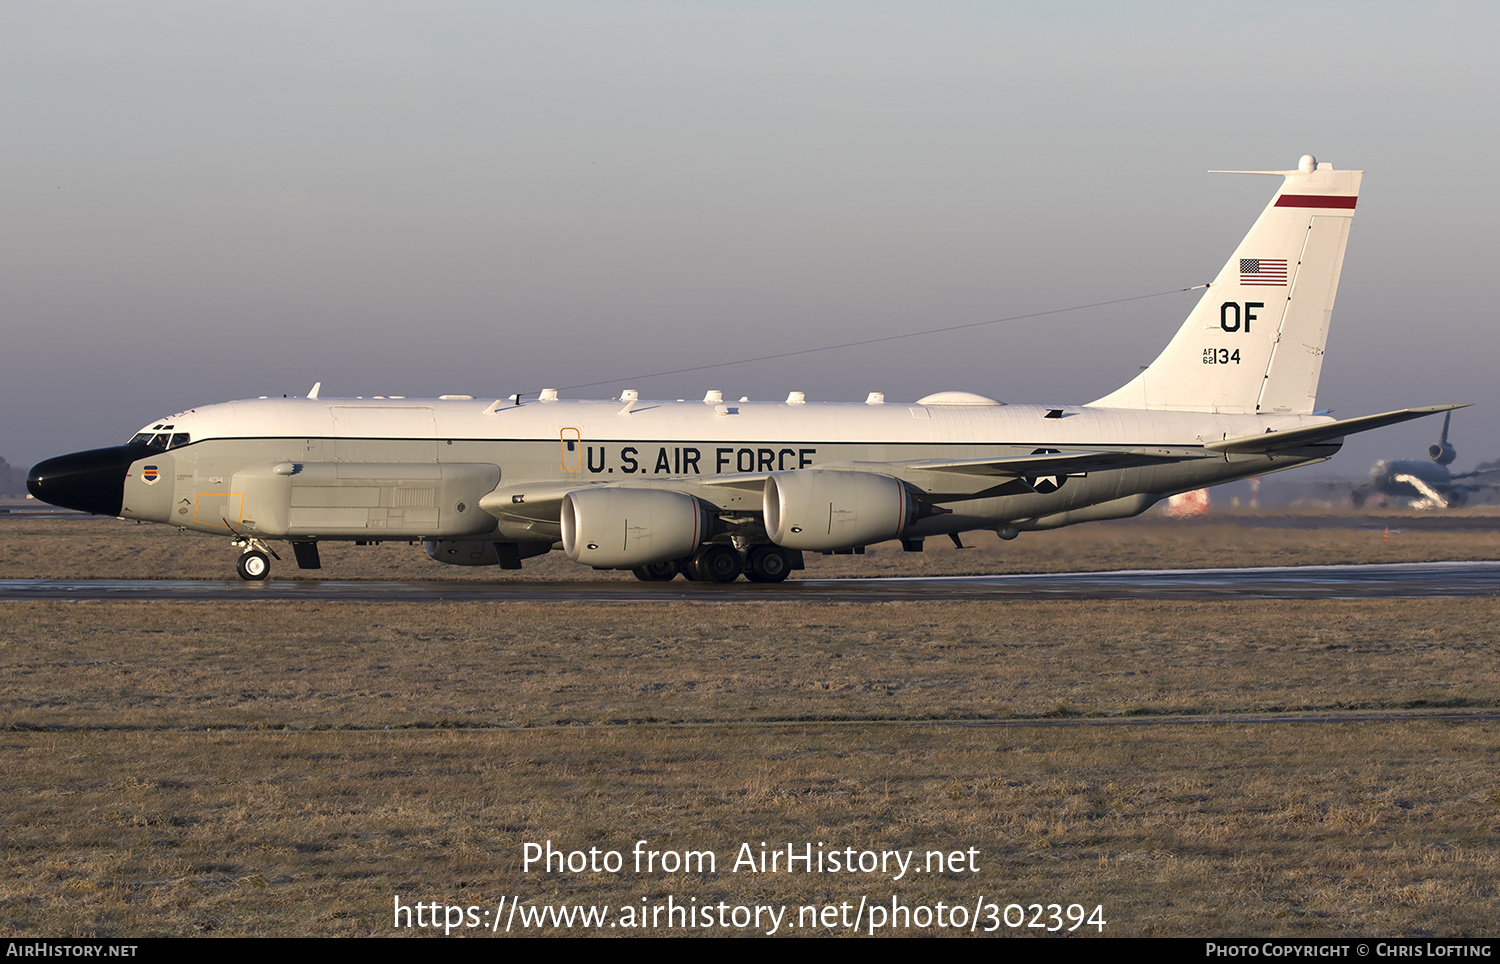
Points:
x=212 y=201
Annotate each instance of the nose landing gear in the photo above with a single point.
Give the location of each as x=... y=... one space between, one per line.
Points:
x=254 y=563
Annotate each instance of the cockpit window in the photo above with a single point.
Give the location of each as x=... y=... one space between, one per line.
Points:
x=163 y=439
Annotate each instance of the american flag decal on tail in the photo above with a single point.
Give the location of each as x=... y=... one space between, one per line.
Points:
x=1263 y=271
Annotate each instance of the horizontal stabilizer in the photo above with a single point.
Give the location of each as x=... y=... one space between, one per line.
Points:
x=1319 y=434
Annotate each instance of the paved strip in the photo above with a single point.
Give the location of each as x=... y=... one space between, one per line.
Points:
x=1431 y=580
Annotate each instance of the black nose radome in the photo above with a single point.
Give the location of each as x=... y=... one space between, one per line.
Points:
x=92 y=481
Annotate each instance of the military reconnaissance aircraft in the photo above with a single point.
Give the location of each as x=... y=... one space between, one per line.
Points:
x=716 y=488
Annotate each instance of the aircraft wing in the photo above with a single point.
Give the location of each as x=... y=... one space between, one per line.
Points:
x=532 y=510
x=1270 y=442
x=539 y=504
x=528 y=511
x=750 y=481
x=1054 y=463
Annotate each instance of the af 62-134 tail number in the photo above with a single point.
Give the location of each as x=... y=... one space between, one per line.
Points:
x=1233 y=318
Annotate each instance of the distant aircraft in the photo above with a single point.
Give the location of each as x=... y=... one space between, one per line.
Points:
x=714 y=488
x=1428 y=485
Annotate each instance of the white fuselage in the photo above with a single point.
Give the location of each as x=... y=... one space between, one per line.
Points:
x=685 y=445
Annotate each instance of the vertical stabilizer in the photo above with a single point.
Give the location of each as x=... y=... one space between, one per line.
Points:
x=1255 y=341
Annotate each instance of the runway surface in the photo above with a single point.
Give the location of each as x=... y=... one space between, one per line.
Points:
x=1405 y=581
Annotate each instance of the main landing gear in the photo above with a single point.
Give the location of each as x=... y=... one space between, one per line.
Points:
x=721 y=562
x=716 y=562
x=767 y=564
x=656 y=572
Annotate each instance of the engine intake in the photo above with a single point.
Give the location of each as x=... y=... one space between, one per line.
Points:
x=822 y=510
x=616 y=528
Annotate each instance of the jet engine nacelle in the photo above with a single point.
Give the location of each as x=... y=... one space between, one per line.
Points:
x=616 y=528
x=821 y=510
x=1442 y=453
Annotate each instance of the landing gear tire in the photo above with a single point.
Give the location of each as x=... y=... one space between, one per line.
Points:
x=656 y=572
x=253 y=565
x=767 y=564
x=717 y=563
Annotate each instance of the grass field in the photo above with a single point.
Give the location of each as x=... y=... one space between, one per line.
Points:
x=288 y=769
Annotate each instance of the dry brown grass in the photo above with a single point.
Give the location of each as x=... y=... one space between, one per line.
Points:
x=1228 y=830
x=312 y=665
x=227 y=768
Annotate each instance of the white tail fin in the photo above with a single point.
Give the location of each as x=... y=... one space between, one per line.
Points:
x=1255 y=341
